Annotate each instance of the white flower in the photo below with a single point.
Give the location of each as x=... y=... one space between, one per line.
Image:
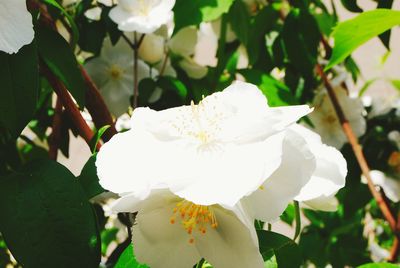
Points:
x=394 y=136
x=112 y=72
x=143 y=16
x=107 y=2
x=93 y=13
x=16 y=28
x=152 y=48
x=202 y=161
x=184 y=44
x=326 y=122
x=390 y=185
x=328 y=177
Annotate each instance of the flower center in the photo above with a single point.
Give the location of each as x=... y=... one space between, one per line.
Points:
x=194 y=217
x=115 y=72
x=330 y=119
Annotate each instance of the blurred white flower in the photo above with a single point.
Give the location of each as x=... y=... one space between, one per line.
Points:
x=184 y=44
x=230 y=34
x=383 y=104
x=208 y=157
x=327 y=123
x=394 y=136
x=93 y=13
x=112 y=72
x=390 y=185
x=152 y=48
x=143 y=16
x=16 y=28
x=108 y=2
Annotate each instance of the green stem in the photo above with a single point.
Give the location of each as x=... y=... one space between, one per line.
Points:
x=200 y=264
x=297 y=219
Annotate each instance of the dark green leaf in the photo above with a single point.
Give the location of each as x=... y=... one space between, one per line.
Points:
x=46 y=219
x=385 y=37
x=351 y=5
x=286 y=251
x=351 y=34
x=89 y=180
x=239 y=20
x=128 y=260
x=58 y=55
x=19 y=89
x=194 y=12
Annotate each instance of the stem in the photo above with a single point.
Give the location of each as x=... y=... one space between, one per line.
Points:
x=269 y=226
x=135 y=73
x=297 y=219
x=200 y=264
x=357 y=151
x=69 y=105
x=55 y=137
x=164 y=65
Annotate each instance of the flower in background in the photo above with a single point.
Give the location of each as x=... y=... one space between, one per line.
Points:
x=326 y=123
x=152 y=49
x=183 y=44
x=390 y=185
x=143 y=16
x=195 y=168
x=112 y=72
x=16 y=26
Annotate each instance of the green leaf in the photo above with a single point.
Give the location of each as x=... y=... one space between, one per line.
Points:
x=46 y=219
x=277 y=93
x=128 y=260
x=74 y=28
x=174 y=85
x=351 y=34
x=19 y=80
x=396 y=84
x=96 y=138
x=351 y=5
x=239 y=19
x=58 y=55
x=286 y=251
x=89 y=179
x=194 y=12
x=379 y=265
x=385 y=37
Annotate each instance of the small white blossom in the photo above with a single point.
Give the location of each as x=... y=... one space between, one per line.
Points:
x=16 y=28
x=143 y=16
x=112 y=72
x=390 y=185
x=152 y=48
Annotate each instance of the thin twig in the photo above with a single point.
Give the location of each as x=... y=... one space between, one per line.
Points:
x=164 y=65
x=357 y=150
x=135 y=73
x=297 y=219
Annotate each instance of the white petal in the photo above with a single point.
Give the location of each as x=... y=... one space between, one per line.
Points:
x=298 y=164
x=93 y=13
x=227 y=174
x=323 y=203
x=330 y=173
x=152 y=48
x=184 y=42
x=126 y=163
x=192 y=69
x=230 y=244
x=16 y=25
x=106 y=2
x=159 y=243
x=390 y=186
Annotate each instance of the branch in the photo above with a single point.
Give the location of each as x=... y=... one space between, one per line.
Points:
x=97 y=107
x=69 y=105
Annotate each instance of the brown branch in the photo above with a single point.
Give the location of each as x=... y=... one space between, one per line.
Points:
x=73 y=112
x=395 y=250
x=55 y=137
x=97 y=107
x=357 y=151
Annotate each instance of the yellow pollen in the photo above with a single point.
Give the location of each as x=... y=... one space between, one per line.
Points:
x=191 y=240
x=261 y=187
x=194 y=217
x=115 y=72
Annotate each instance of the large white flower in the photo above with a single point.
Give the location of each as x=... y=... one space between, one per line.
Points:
x=143 y=16
x=326 y=122
x=390 y=185
x=16 y=28
x=112 y=72
x=192 y=166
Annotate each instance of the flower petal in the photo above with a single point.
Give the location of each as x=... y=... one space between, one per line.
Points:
x=330 y=173
x=125 y=164
x=298 y=164
x=184 y=42
x=16 y=25
x=390 y=186
x=323 y=203
x=230 y=244
x=159 y=243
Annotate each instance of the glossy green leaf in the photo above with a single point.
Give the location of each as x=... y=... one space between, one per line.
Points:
x=379 y=265
x=46 y=219
x=194 y=12
x=74 y=28
x=19 y=80
x=239 y=20
x=128 y=260
x=351 y=34
x=89 y=179
x=277 y=93
x=286 y=251
x=58 y=55
x=97 y=137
